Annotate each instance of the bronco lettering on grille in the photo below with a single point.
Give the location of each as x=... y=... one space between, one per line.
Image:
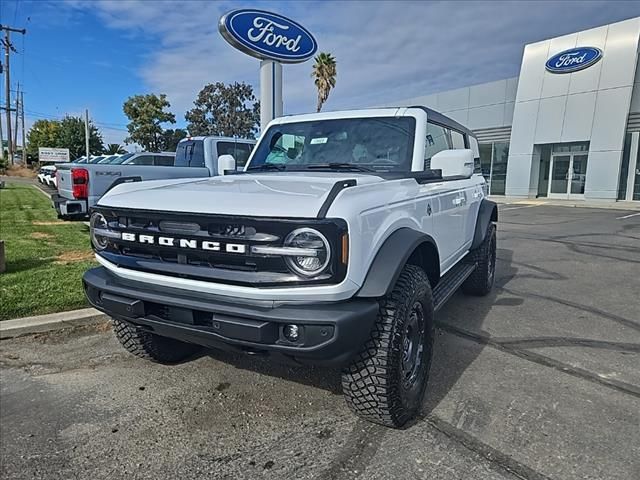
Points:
x=184 y=243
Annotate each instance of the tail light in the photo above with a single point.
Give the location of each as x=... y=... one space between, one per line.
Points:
x=80 y=182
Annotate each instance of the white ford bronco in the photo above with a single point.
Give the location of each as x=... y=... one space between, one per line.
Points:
x=343 y=235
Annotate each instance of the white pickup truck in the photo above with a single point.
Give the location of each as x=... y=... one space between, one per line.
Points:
x=343 y=236
x=81 y=185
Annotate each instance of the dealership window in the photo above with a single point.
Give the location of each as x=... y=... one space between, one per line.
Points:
x=493 y=162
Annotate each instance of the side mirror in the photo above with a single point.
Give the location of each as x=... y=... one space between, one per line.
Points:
x=453 y=163
x=226 y=163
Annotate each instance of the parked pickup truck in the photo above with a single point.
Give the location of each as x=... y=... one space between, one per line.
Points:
x=336 y=246
x=80 y=186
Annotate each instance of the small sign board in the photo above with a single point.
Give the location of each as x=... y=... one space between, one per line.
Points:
x=46 y=154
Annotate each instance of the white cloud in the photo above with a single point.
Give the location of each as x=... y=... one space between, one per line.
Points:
x=385 y=50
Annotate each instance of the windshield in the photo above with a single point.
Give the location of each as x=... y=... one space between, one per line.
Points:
x=119 y=159
x=379 y=144
x=96 y=159
x=107 y=159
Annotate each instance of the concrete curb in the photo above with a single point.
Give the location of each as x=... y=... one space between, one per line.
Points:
x=53 y=321
x=621 y=205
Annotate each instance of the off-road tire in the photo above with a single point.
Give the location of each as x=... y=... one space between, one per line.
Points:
x=374 y=384
x=480 y=282
x=151 y=347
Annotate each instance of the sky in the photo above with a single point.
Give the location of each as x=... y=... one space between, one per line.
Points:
x=94 y=54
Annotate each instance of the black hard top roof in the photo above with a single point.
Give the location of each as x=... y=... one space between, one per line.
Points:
x=437 y=117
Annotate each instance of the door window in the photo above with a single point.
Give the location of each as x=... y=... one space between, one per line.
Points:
x=164 y=160
x=560 y=173
x=457 y=139
x=438 y=139
x=240 y=151
x=142 y=160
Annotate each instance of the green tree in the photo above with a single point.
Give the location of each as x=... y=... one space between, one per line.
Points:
x=72 y=136
x=147 y=114
x=66 y=133
x=228 y=110
x=43 y=133
x=114 y=149
x=324 y=74
x=170 y=138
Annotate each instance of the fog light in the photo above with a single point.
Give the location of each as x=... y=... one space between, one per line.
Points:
x=291 y=333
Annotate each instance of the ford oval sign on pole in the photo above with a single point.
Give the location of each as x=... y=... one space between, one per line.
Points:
x=273 y=39
x=267 y=35
x=573 y=60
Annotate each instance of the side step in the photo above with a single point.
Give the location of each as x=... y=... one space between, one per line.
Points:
x=451 y=281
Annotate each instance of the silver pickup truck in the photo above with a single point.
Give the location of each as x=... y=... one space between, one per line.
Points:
x=81 y=186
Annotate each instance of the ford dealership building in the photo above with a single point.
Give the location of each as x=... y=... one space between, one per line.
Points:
x=568 y=126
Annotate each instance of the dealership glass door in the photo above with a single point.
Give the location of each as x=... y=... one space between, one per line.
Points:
x=568 y=175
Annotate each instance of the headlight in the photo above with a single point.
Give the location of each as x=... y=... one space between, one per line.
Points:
x=318 y=248
x=97 y=225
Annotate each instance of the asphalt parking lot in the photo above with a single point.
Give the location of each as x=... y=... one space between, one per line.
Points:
x=539 y=380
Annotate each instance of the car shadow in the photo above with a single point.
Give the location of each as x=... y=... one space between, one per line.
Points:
x=448 y=363
x=453 y=354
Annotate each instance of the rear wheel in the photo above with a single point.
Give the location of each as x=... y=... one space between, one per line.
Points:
x=151 y=347
x=480 y=282
x=386 y=381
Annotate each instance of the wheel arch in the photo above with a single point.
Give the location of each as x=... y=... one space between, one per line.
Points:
x=487 y=213
x=403 y=246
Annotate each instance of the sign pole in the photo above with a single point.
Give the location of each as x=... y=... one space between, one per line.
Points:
x=270 y=91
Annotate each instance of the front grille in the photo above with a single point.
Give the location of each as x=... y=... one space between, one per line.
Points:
x=232 y=262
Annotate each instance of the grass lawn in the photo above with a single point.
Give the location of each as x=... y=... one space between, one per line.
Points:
x=45 y=257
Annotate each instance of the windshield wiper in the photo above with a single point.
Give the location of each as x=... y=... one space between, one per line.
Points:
x=339 y=166
x=267 y=166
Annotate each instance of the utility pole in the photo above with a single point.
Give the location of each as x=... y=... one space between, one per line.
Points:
x=15 y=132
x=7 y=80
x=24 y=134
x=86 y=132
x=1 y=141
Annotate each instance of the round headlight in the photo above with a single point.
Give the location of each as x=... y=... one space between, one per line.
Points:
x=308 y=239
x=96 y=224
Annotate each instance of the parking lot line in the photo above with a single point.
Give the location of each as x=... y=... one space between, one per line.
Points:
x=628 y=216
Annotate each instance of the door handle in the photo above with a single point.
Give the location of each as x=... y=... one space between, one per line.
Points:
x=458 y=201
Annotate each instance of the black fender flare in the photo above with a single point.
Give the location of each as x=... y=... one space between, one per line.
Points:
x=123 y=180
x=487 y=213
x=390 y=260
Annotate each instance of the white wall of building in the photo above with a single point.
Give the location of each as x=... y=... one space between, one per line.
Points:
x=589 y=105
x=488 y=105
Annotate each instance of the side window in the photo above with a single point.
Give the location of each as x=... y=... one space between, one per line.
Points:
x=142 y=160
x=240 y=151
x=457 y=139
x=438 y=139
x=475 y=148
x=164 y=160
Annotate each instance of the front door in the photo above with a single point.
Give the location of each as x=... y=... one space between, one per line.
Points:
x=568 y=175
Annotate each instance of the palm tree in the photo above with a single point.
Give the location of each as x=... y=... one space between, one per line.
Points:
x=114 y=149
x=324 y=75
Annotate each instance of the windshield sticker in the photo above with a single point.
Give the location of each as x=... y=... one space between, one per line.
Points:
x=316 y=141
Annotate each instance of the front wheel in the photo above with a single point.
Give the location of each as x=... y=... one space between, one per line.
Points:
x=386 y=381
x=150 y=346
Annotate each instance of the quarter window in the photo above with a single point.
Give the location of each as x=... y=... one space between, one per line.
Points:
x=164 y=160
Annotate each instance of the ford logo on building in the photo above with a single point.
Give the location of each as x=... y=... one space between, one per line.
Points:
x=267 y=35
x=573 y=60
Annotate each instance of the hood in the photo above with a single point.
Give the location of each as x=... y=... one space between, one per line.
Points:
x=277 y=194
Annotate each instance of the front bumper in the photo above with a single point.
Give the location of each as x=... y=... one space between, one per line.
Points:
x=331 y=333
x=69 y=208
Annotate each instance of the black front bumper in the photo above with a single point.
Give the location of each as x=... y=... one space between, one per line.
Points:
x=330 y=333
